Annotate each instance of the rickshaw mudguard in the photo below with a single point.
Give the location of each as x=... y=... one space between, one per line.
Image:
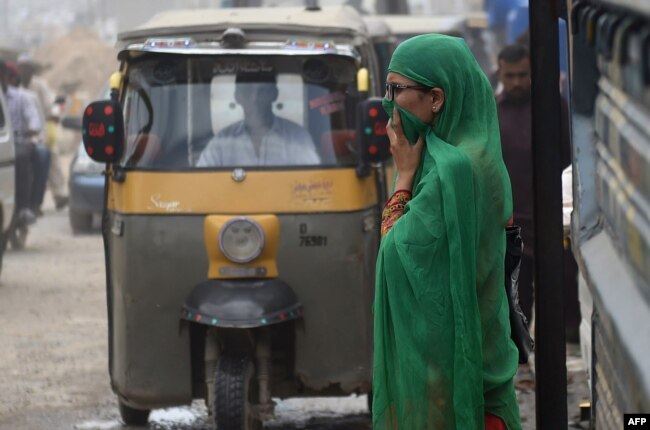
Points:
x=241 y=303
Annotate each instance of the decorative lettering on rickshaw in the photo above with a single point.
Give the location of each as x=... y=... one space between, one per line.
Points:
x=225 y=69
x=317 y=192
x=246 y=66
x=329 y=103
x=96 y=129
x=167 y=206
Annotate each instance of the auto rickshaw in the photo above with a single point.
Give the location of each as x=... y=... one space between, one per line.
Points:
x=469 y=26
x=383 y=41
x=238 y=272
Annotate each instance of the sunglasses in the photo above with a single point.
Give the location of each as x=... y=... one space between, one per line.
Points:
x=390 y=89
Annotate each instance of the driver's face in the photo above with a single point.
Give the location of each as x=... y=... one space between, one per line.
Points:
x=256 y=97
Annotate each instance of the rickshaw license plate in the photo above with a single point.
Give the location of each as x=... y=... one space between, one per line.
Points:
x=313 y=240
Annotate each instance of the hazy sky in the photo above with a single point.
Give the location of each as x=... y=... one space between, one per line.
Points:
x=25 y=24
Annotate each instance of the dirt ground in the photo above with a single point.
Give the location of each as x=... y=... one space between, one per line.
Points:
x=53 y=354
x=53 y=326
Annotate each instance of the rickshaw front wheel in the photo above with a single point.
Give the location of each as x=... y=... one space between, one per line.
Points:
x=236 y=394
x=133 y=417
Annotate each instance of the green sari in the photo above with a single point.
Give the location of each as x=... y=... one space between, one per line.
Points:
x=443 y=356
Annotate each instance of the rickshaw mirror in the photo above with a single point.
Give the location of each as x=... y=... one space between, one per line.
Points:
x=103 y=131
x=374 y=146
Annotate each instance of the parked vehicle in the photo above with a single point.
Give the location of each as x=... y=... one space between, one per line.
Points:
x=86 y=190
x=388 y=31
x=85 y=182
x=406 y=26
x=7 y=177
x=611 y=217
x=383 y=41
x=230 y=278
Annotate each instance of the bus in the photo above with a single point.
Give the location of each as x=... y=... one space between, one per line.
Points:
x=610 y=226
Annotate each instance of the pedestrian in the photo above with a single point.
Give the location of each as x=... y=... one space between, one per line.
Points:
x=39 y=152
x=51 y=173
x=56 y=179
x=443 y=357
x=26 y=124
x=514 y=109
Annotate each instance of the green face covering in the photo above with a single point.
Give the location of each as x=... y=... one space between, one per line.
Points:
x=412 y=126
x=443 y=356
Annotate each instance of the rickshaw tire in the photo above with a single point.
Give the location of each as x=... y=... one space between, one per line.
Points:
x=234 y=385
x=134 y=417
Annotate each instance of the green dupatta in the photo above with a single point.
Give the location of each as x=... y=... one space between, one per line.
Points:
x=442 y=349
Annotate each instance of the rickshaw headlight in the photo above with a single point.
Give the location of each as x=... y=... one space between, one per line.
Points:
x=241 y=240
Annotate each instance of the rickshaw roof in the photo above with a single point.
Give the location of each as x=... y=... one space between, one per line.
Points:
x=336 y=19
x=410 y=24
x=477 y=19
x=376 y=25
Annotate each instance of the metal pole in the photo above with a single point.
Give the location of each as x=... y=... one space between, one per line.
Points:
x=550 y=356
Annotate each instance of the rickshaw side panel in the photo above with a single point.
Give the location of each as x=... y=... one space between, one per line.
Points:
x=329 y=260
x=155 y=262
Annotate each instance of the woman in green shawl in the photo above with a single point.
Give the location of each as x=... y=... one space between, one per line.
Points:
x=443 y=357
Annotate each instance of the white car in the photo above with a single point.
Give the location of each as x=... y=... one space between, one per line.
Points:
x=7 y=176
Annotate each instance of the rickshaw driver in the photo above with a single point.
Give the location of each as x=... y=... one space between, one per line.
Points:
x=261 y=138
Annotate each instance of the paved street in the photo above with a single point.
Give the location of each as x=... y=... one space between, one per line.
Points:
x=53 y=360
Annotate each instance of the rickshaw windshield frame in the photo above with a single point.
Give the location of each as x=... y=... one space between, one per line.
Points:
x=205 y=112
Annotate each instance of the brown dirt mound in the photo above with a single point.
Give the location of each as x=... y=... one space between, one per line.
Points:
x=79 y=62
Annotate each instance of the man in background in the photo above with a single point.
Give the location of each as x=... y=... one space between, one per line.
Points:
x=28 y=70
x=27 y=125
x=514 y=109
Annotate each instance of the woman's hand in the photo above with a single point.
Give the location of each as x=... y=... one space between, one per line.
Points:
x=406 y=156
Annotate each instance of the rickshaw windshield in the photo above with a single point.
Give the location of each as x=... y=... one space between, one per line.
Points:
x=212 y=112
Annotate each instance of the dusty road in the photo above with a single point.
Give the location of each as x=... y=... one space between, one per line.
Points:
x=53 y=358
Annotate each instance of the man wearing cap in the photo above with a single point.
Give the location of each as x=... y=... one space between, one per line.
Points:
x=261 y=138
x=28 y=68
x=26 y=123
